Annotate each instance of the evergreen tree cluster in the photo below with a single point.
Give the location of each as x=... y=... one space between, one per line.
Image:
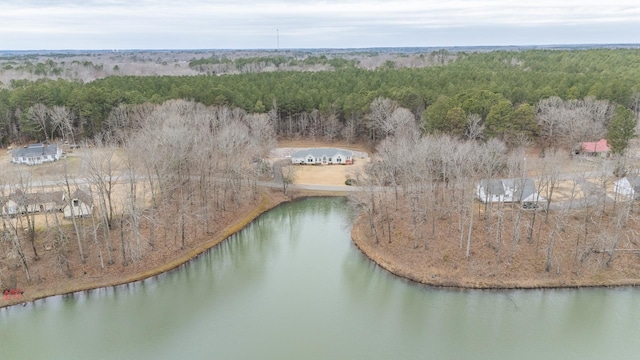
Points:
x=502 y=87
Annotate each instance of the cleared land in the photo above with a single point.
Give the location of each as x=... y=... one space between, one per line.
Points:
x=334 y=175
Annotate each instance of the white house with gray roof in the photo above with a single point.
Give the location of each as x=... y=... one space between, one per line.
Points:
x=509 y=190
x=36 y=154
x=322 y=156
x=25 y=203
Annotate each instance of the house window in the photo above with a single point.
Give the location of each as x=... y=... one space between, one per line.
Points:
x=329 y=159
x=76 y=203
x=309 y=160
x=338 y=159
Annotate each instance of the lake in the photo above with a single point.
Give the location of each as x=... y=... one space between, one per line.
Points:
x=293 y=286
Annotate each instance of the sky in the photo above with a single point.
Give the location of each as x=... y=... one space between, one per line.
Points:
x=288 y=24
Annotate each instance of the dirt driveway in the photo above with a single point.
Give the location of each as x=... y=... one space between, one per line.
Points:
x=327 y=174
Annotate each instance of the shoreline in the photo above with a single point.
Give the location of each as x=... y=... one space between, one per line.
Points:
x=441 y=279
x=268 y=202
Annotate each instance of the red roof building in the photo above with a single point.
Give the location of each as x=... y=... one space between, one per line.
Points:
x=595 y=147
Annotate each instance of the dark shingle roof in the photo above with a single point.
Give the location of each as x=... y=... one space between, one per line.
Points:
x=521 y=188
x=30 y=199
x=35 y=150
x=56 y=197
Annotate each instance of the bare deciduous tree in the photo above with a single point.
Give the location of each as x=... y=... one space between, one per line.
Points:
x=475 y=127
x=566 y=123
x=69 y=195
x=379 y=113
x=62 y=120
x=39 y=115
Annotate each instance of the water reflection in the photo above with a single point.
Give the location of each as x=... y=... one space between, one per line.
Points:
x=291 y=285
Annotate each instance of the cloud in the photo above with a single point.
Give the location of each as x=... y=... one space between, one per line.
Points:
x=326 y=23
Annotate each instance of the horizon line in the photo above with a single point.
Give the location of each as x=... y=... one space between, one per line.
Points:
x=637 y=44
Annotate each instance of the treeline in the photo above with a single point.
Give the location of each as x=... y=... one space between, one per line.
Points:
x=474 y=83
x=215 y=64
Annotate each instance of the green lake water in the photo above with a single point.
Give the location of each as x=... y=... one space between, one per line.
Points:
x=292 y=286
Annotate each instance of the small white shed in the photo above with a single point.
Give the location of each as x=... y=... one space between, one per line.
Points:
x=81 y=205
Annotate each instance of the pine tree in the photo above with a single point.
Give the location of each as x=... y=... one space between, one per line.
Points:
x=621 y=129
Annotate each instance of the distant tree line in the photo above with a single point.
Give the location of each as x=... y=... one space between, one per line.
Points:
x=497 y=93
x=222 y=64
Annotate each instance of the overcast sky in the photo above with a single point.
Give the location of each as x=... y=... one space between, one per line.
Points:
x=259 y=24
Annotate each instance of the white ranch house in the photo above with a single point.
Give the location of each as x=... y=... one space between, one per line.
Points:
x=521 y=191
x=628 y=186
x=36 y=154
x=322 y=156
x=21 y=203
x=27 y=203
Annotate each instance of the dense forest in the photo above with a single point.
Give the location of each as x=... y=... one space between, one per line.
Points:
x=336 y=103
